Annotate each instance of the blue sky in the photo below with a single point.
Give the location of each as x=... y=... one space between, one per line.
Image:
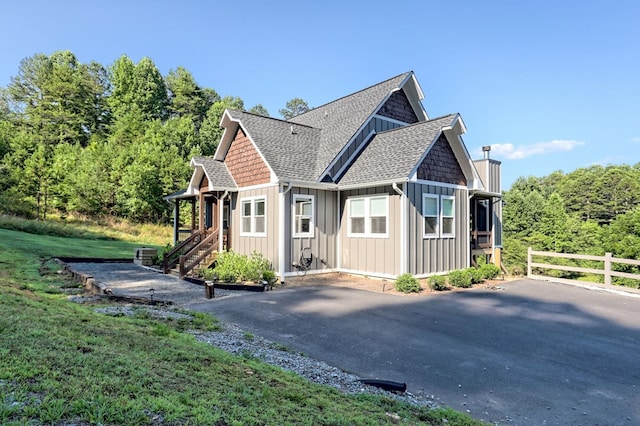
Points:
x=551 y=85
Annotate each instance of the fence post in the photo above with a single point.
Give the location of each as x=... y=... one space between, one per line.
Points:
x=529 y=258
x=607 y=268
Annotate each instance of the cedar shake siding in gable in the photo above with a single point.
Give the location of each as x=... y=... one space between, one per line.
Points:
x=244 y=163
x=398 y=108
x=441 y=165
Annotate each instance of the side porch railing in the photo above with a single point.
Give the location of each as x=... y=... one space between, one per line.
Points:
x=608 y=260
x=171 y=259
x=199 y=253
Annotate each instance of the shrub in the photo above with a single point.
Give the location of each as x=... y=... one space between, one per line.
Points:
x=460 y=278
x=407 y=283
x=438 y=283
x=489 y=271
x=476 y=275
x=231 y=267
x=269 y=276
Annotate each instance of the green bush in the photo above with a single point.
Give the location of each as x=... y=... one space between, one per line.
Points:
x=476 y=275
x=460 y=278
x=269 y=276
x=407 y=283
x=232 y=267
x=489 y=271
x=438 y=283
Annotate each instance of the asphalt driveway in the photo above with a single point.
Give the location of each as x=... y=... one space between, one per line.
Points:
x=534 y=353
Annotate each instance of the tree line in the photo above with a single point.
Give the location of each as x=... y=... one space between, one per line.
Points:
x=93 y=140
x=590 y=210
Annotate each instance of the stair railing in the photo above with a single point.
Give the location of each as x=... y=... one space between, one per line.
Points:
x=171 y=258
x=198 y=253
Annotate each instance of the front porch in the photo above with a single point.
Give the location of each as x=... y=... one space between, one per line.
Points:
x=206 y=234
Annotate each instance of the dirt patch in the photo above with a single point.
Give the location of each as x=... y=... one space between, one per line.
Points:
x=377 y=285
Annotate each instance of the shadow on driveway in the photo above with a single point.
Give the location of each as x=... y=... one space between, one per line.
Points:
x=535 y=353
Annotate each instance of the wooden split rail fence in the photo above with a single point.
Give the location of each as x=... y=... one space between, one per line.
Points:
x=607 y=271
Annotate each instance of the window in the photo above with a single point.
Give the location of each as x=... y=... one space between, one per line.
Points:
x=253 y=217
x=448 y=216
x=368 y=216
x=303 y=212
x=439 y=215
x=430 y=209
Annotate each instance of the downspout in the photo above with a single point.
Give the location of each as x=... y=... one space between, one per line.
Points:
x=338 y=234
x=281 y=230
x=468 y=221
x=403 y=227
x=221 y=219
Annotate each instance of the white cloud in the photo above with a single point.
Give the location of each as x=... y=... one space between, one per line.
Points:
x=513 y=152
x=636 y=139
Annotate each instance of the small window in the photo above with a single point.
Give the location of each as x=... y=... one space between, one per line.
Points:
x=439 y=214
x=369 y=216
x=303 y=215
x=430 y=209
x=448 y=216
x=356 y=215
x=254 y=217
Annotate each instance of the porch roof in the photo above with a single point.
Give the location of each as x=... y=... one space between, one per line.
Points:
x=217 y=174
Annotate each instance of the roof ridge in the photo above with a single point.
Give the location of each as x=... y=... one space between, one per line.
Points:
x=353 y=93
x=271 y=118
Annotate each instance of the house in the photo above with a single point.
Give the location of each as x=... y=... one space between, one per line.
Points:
x=366 y=184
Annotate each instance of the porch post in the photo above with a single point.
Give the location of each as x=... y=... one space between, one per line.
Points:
x=193 y=213
x=201 y=212
x=176 y=221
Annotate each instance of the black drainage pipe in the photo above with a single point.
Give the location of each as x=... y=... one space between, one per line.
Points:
x=387 y=385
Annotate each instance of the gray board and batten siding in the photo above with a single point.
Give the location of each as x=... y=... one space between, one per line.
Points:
x=427 y=256
x=325 y=229
x=268 y=244
x=370 y=255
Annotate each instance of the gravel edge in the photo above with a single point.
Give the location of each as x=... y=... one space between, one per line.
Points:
x=237 y=341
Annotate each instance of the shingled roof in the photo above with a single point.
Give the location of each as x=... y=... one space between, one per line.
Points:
x=290 y=149
x=216 y=171
x=340 y=120
x=301 y=149
x=392 y=155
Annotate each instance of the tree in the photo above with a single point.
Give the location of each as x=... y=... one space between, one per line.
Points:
x=139 y=88
x=187 y=98
x=295 y=106
x=59 y=99
x=259 y=109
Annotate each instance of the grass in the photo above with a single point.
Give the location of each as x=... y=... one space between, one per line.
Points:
x=64 y=363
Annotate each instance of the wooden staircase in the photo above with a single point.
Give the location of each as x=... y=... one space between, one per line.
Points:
x=198 y=251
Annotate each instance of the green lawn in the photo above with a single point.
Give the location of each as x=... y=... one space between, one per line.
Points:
x=63 y=363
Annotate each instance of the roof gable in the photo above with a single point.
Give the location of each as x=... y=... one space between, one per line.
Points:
x=343 y=119
x=289 y=150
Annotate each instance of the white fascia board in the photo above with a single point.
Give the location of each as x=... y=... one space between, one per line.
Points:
x=226 y=122
x=415 y=95
x=372 y=184
x=230 y=130
x=311 y=185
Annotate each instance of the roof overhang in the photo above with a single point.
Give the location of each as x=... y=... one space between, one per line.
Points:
x=371 y=184
x=198 y=173
x=414 y=94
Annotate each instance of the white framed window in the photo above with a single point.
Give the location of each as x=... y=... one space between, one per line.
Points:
x=368 y=216
x=439 y=215
x=303 y=215
x=254 y=217
x=448 y=211
x=430 y=211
